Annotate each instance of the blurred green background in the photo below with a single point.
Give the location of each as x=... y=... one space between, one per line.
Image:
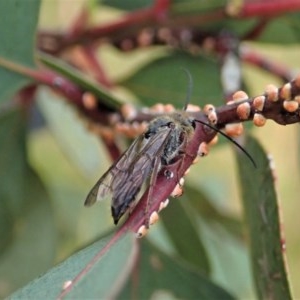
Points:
x=69 y=160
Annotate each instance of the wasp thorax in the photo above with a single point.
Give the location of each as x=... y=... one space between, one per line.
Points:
x=175 y=130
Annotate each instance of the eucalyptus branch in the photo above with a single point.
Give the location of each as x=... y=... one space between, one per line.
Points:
x=163 y=14
x=278 y=104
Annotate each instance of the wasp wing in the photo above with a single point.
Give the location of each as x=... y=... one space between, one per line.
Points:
x=125 y=178
x=103 y=186
x=127 y=187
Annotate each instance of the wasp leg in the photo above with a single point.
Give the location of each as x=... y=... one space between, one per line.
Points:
x=181 y=155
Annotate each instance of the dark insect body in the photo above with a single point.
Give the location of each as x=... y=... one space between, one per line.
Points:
x=159 y=146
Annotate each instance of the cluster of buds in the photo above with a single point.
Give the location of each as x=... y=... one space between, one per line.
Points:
x=154 y=217
x=279 y=104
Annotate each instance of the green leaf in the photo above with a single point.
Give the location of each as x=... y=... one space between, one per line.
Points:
x=33 y=245
x=194 y=6
x=71 y=134
x=182 y=230
x=101 y=281
x=12 y=162
x=28 y=234
x=203 y=206
x=12 y=159
x=18 y=21
x=282 y=30
x=163 y=277
x=127 y=5
x=221 y=244
x=229 y=259
x=165 y=81
x=262 y=217
x=68 y=174
x=177 y=6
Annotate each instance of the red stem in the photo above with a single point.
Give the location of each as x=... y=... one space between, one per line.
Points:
x=61 y=84
x=69 y=90
x=52 y=42
x=136 y=19
x=268 y=8
x=95 y=67
x=256 y=31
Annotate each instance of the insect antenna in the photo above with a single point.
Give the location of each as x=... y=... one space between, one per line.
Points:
x=189 y=89
x=187 y=101
x=230 y=139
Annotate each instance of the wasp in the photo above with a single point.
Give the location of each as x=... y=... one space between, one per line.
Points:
x=148 y=154
x=160 y=146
